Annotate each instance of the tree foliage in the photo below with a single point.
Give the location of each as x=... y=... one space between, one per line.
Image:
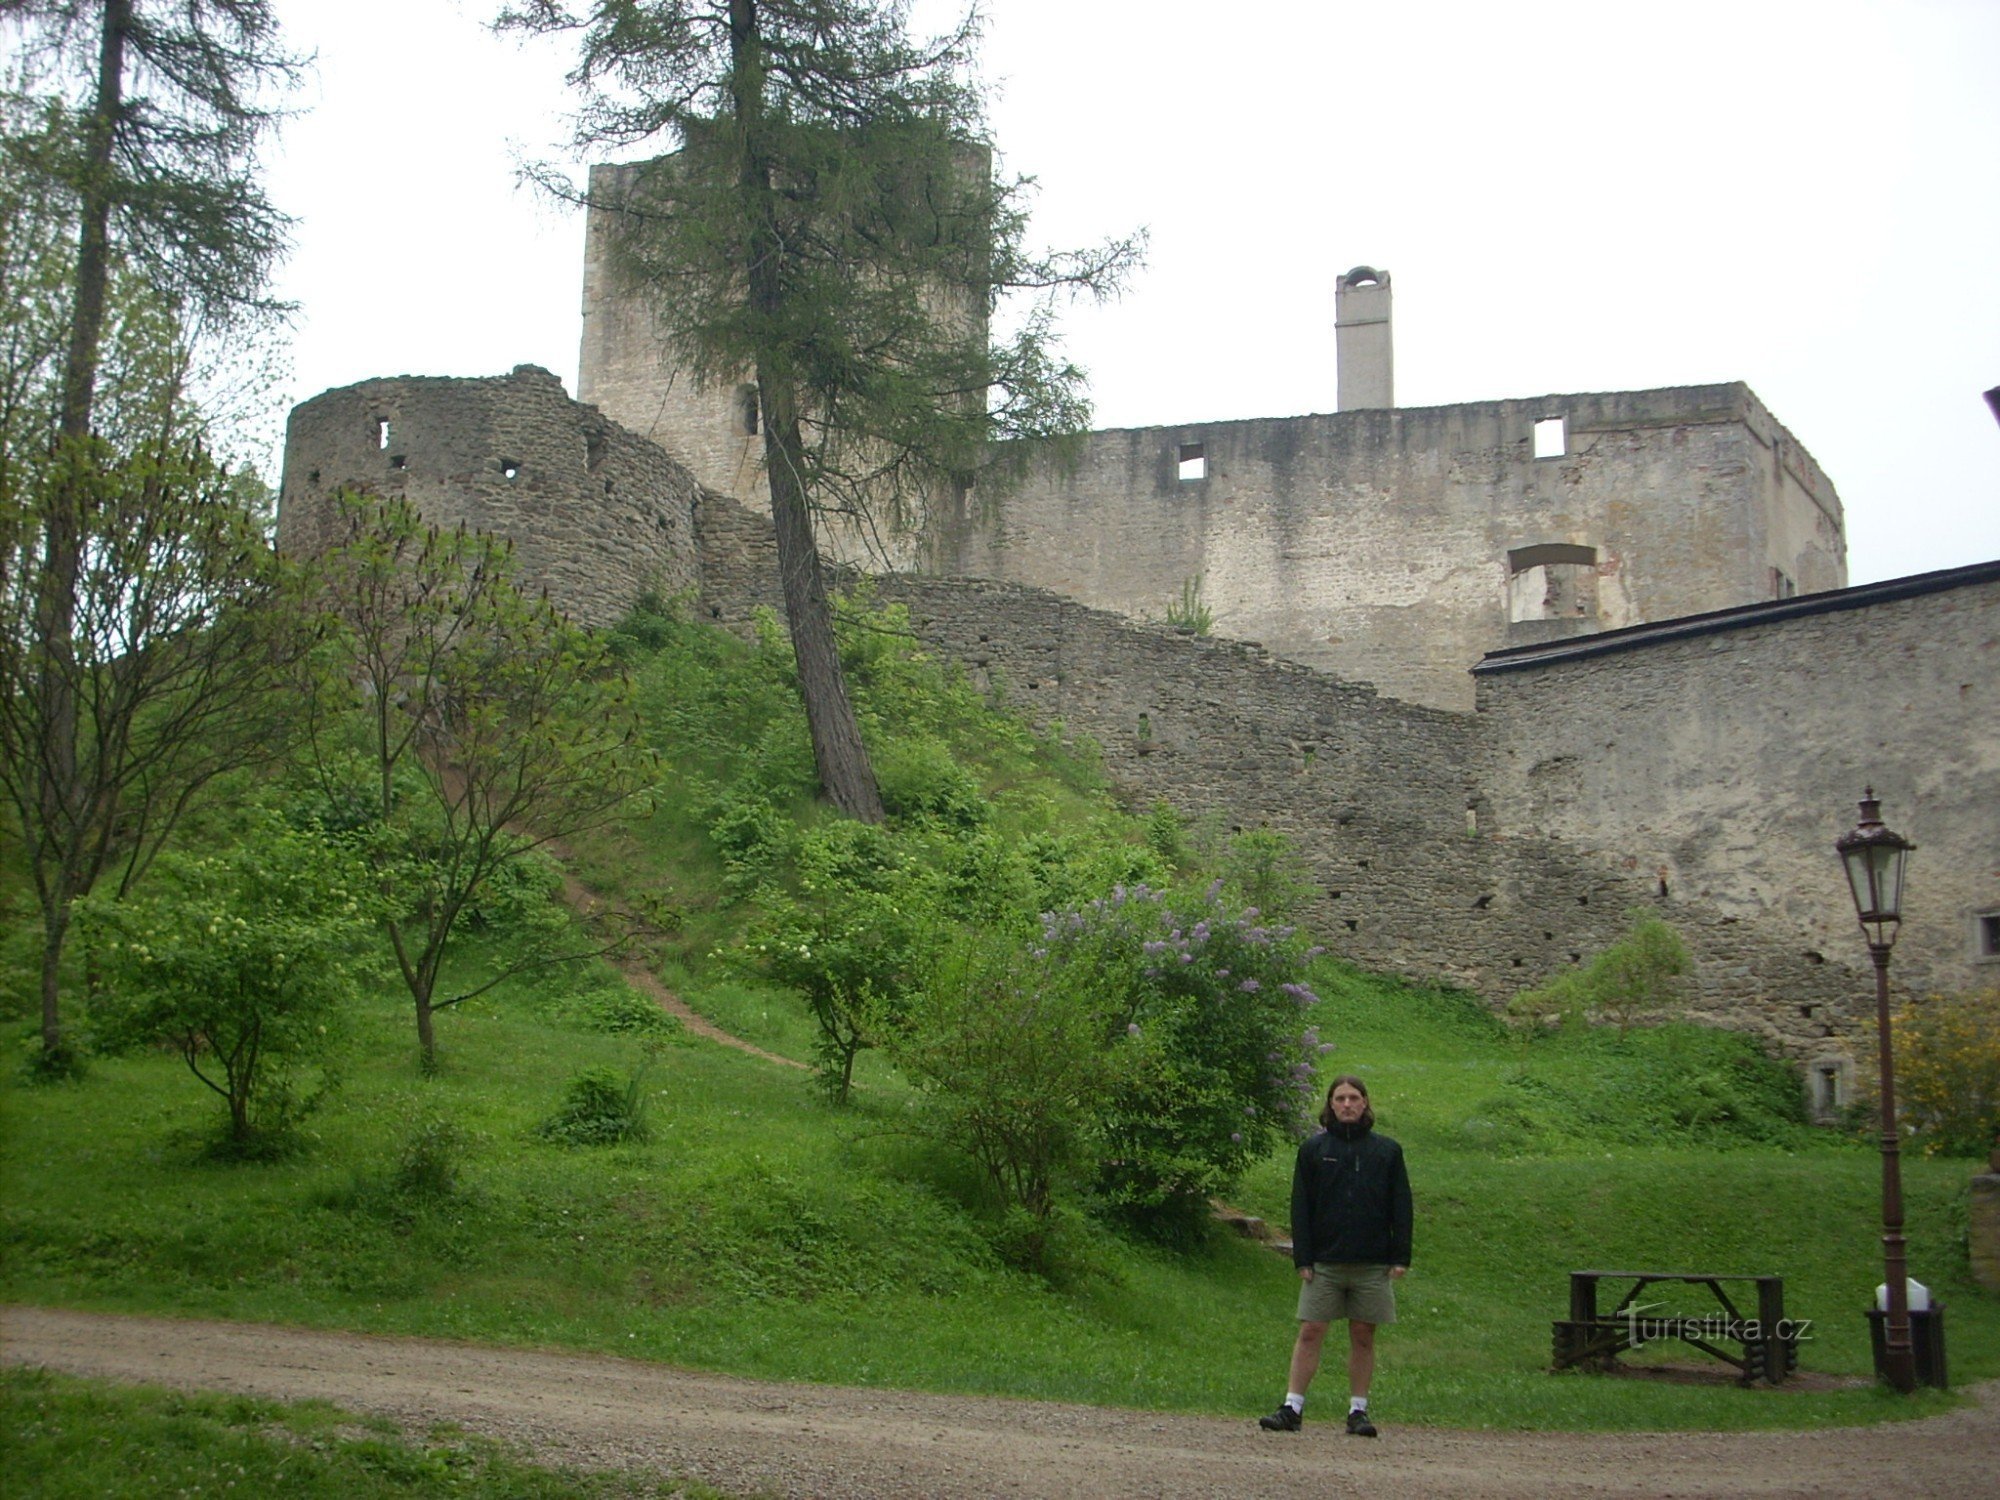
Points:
x=1948 y=1070
x=240 y=962
x=458 y=724
x=133 y=219
x=828 y=223
x=159 y=683
x=151 y=112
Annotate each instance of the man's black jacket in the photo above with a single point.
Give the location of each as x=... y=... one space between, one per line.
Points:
x=1350 y=1200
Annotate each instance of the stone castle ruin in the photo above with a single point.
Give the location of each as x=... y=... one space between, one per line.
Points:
x=1524 y=665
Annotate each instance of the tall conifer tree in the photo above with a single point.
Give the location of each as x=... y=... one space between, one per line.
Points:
x=146 y=118
x=828 y=224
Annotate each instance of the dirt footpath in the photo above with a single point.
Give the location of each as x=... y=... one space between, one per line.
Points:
x=753 y=1437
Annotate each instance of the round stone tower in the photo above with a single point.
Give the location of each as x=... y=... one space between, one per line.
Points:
x=596 y=514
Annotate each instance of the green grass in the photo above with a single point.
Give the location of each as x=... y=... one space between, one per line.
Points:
x=760 y=1231
x=63 y=1438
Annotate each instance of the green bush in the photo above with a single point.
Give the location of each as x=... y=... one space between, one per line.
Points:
x=1948 y=1071
x=1206 y=1000
x=847 y=941
x=599 y=1110
x=240 y=962
x=921 y=782
x=1009 y=1053
x=1638 y=976
x=428 y=1163
x=614 y=1007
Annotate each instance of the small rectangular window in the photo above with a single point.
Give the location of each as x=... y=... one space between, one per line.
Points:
x=1194 y=461
x=1986 y=935
x=381 y=432
x=1782 y=586
x=1551 y=438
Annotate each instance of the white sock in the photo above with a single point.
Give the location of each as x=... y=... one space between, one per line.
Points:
x=1357 y=1403
x=1296 y=1400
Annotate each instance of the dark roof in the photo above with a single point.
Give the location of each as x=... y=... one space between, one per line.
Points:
x=1743 y=616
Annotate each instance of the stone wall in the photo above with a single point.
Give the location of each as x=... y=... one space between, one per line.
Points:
x=595 y=513
x=1398 y=546
x=1699 y=767
x=1415 y=868
x=1723 y=756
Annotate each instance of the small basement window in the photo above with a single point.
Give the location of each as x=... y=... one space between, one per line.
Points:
x=1986 y=937
x=1194 y=461
x=1829 y=1091
x=1551 y=437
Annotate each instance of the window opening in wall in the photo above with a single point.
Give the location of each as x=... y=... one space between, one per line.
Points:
x=398 y=461
x=1826 y=1100
x=1194 y=461
x=381 y=432
x=509 y=470
x=1782 y=586
x=746 y=410
x=1986 y=935
x=1551 y=581
x=1551 y=437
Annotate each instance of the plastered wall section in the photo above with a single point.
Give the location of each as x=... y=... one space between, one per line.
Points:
x=1723 y=759
x=626 y=371
x=595 y=513
x=1375 y=544
x=1387 y=801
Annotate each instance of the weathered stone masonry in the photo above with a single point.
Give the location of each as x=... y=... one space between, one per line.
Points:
x=1398 y=546
x=1701 y=766
x=595 y=514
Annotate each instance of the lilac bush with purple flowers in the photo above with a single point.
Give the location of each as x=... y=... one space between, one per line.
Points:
x=1209 y=1001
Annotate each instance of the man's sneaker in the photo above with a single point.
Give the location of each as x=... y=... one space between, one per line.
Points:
x=1358 y=1425
x=1284 y=1419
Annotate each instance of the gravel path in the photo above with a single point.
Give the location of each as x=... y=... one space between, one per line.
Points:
x=754 y=1437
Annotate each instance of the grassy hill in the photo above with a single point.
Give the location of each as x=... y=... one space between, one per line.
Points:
x=760 y=1229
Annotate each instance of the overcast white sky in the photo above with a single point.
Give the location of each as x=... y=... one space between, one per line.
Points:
x=1801 y=194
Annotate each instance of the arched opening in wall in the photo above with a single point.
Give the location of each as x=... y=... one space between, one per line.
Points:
x=746 y=410
x=1551 y=581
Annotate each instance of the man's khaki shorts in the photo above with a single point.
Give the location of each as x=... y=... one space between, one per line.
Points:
x=1364 y=1294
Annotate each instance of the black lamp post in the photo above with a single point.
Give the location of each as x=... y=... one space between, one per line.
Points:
x=1874 y=858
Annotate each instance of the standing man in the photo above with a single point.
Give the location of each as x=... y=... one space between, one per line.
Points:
x=1351 y=1243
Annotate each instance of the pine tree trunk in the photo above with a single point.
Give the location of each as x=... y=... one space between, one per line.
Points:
x=60 y=799
x=842 y=759
x=844 y=771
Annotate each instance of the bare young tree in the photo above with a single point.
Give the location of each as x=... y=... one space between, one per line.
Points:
x=476 y=723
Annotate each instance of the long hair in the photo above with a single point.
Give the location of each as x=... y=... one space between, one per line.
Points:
x=1326 y=1116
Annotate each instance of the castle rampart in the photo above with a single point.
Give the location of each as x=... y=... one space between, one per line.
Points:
x=1418 y=868
x=1398 y=546
x=1722 y=755
x=1699 y=766
x=595 y=513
